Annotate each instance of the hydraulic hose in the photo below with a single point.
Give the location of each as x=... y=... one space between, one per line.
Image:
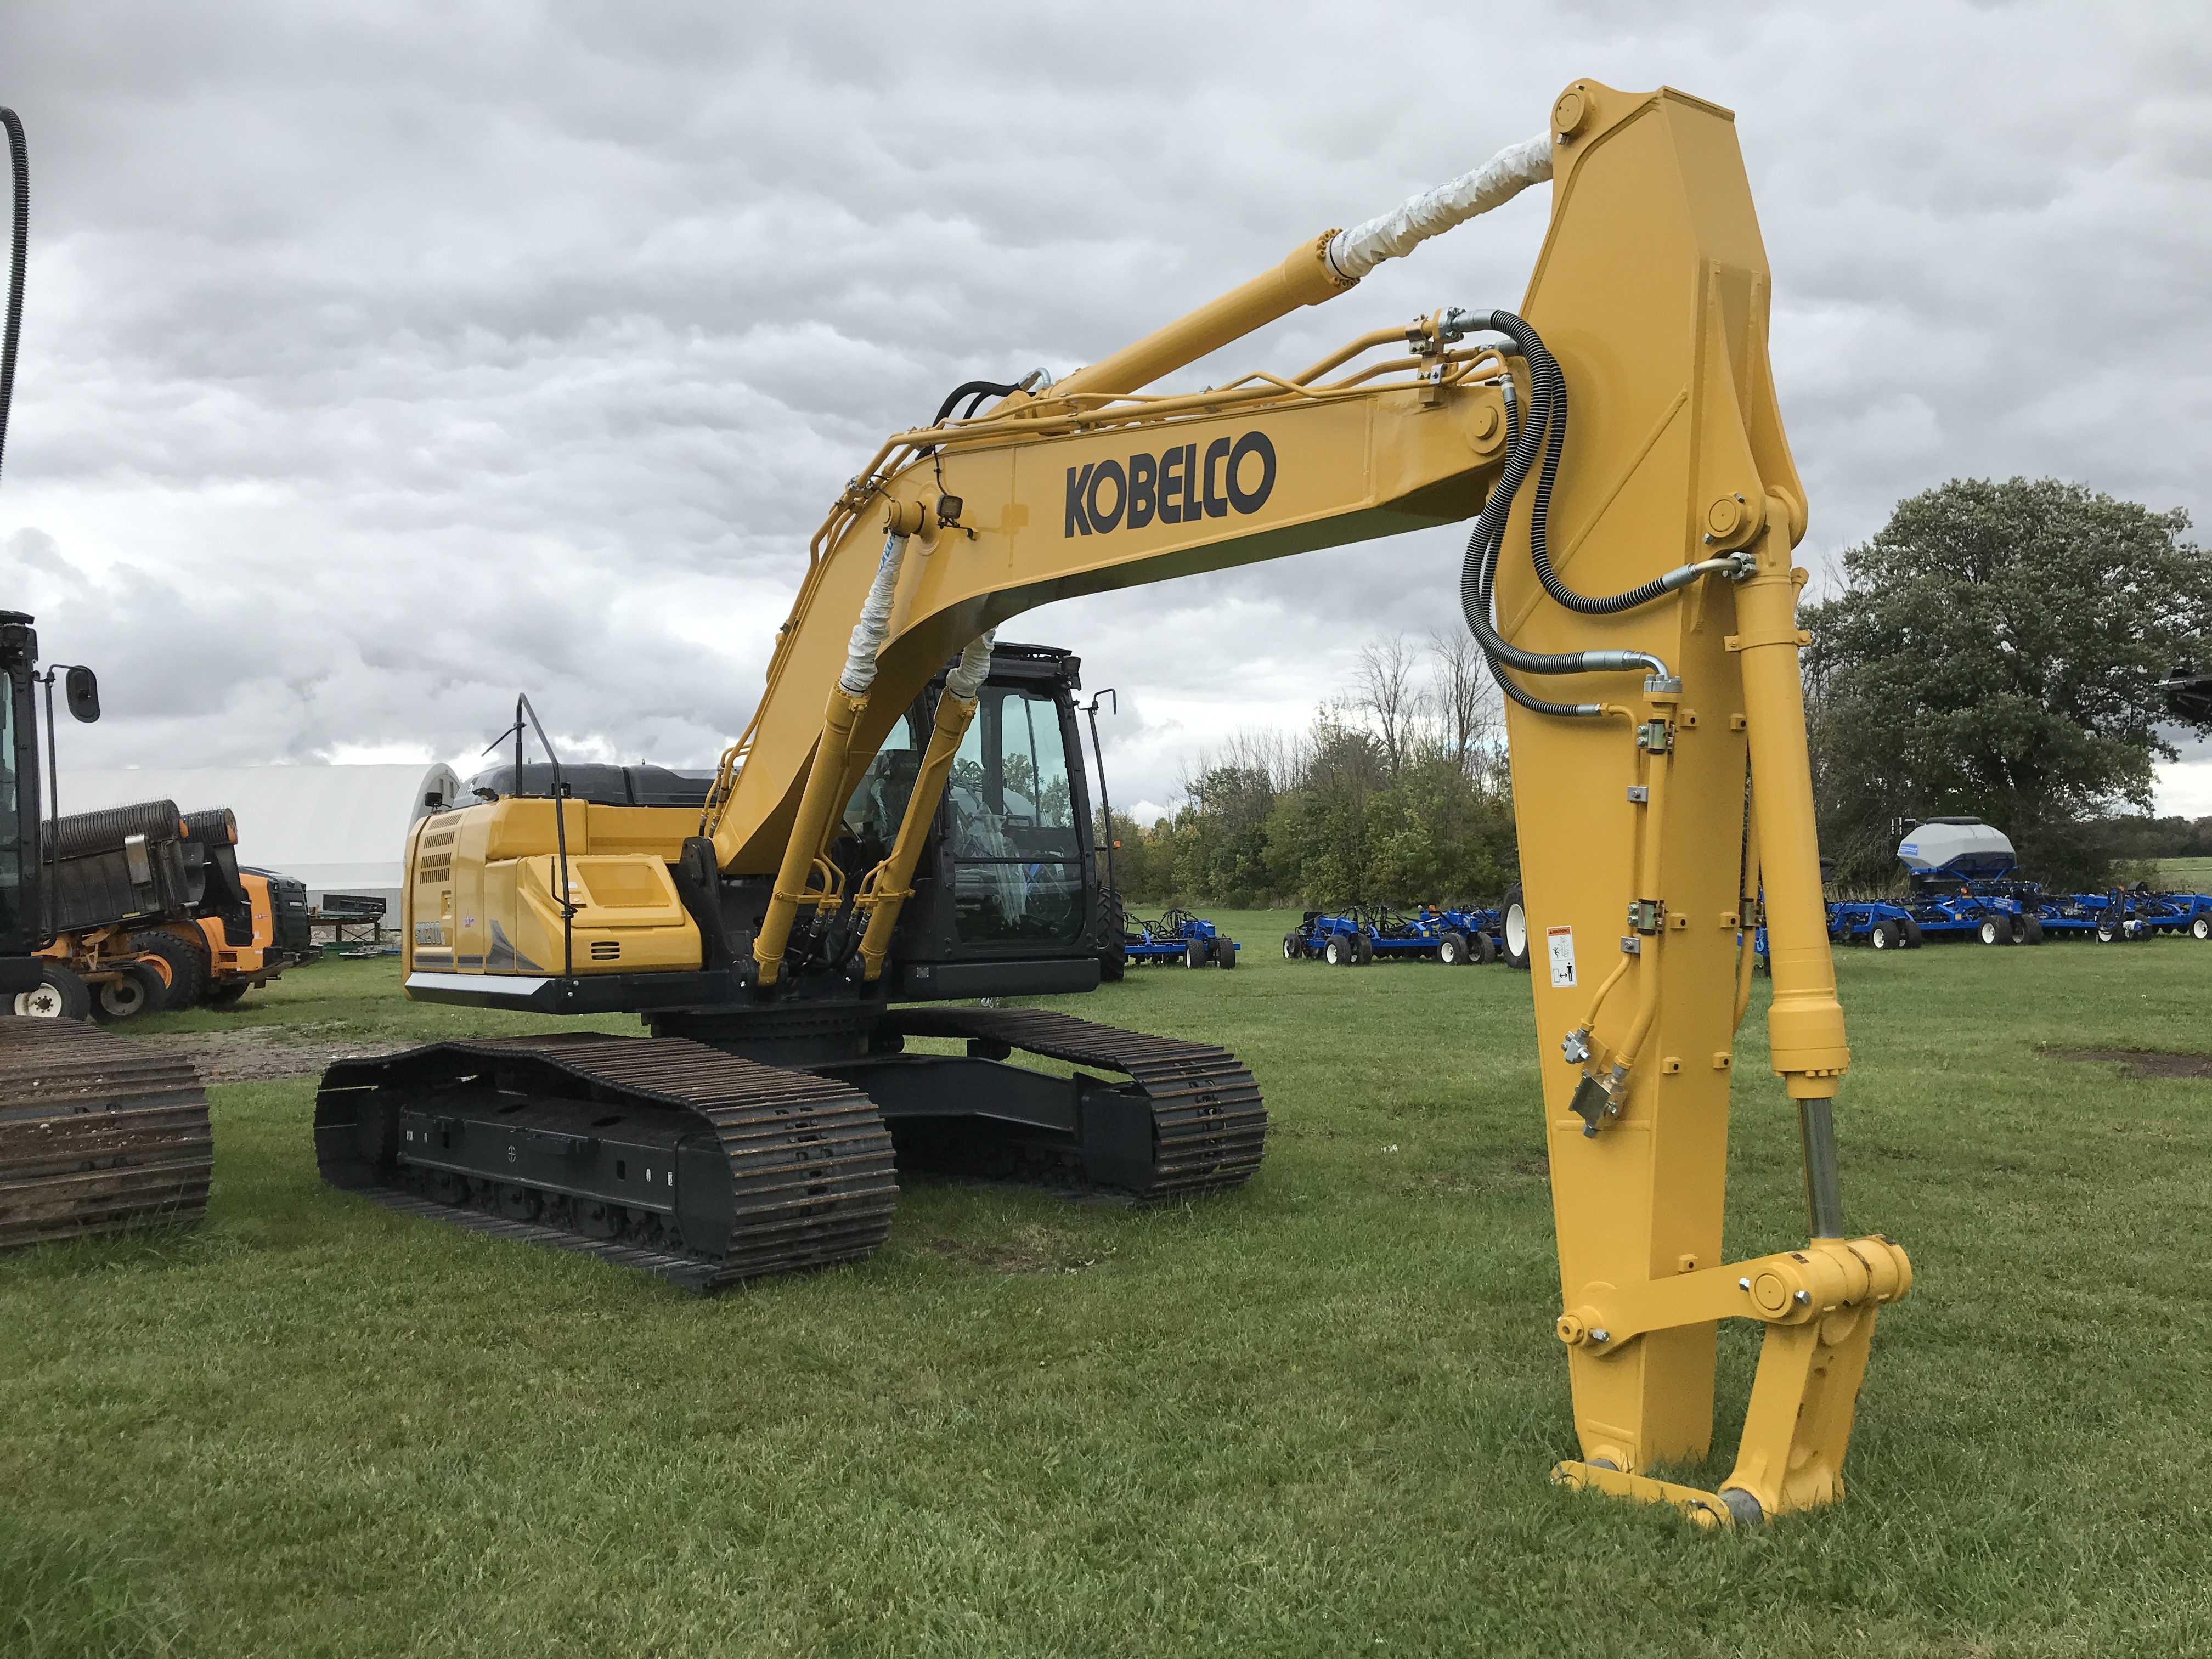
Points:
x=976 y=392
x=1489 y=536
x=21 y=167
x=1543 y=429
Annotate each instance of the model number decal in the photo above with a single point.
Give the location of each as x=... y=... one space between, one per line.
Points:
x=1177 y=486
x=429 y=933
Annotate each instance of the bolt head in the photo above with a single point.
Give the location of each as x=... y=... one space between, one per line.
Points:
x=1804 y=1298
x=1743 y=1283
x=1600 y=1335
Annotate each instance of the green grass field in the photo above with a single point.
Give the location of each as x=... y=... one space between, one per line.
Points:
x=2184 y=875
x=1313 y=1418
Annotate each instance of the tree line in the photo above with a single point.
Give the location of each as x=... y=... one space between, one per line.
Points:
x=1995 y=651
x=1396 y=794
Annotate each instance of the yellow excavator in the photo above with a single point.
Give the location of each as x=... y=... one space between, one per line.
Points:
x=898 y=826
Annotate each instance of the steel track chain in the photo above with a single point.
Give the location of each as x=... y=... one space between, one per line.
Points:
x=96 y=1135
x=1209 y=1122
x=811 y=1162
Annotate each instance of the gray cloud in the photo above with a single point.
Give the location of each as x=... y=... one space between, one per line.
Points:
x=378 y=363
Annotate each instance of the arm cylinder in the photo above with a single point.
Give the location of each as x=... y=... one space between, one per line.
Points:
x=1303 y=278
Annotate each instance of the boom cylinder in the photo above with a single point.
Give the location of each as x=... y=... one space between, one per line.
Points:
x=893 y=878
x=814 y=807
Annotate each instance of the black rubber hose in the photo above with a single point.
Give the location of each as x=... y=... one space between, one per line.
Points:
x=1543 y=430
x=22 y=165
x=1549 y=387
x=977 y=389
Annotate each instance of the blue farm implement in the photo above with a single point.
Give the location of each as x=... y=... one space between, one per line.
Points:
x=1873 y=922
x=1966 y=884
x=1363 y=933
x=1177 y=939
x=2127 y=913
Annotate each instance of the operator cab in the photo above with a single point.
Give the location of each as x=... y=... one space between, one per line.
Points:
x=1008 y=869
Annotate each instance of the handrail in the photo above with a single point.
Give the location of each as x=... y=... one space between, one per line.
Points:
x=522 y=706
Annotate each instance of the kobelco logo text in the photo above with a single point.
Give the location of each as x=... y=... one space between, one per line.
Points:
x=1178 y=486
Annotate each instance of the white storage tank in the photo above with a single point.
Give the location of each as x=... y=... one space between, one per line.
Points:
x=1963 y=847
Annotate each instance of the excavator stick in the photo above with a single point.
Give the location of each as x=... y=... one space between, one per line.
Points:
x=1677 y=451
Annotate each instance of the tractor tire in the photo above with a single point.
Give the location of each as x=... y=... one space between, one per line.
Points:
x=1293 y=947
x=1193 y=954
x=1338 y=952
x=2201 y=928
x=1486 y=949
x=1884 y=936
x=1451 y=950
x=187 y=965
x=1225 y=952
x=1364 y=950
x=2019 y=924
x=139 y=991
x=231 y=992
x=1912 y=932
x=2032 y=930
x=1514 y=914
x=2106 y=932
x=1995 y=930
x=1113 y=950
x=60 y=995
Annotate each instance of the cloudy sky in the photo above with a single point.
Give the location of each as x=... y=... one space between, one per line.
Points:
x=382 y=359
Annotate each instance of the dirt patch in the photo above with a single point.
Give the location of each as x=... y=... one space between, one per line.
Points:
x=1504 y=1173
x=1032 y=1250
x=2142 y=1062
x=258 y=1053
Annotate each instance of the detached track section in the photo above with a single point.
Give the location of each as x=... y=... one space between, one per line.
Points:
x=1209 y=1123
x=96 y=1135
x=807 y=1159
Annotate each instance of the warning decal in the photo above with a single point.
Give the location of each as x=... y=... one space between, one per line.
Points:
x=1562 y=942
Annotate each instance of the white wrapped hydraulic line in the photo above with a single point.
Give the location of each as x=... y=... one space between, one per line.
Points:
x=1352 y=253
x=875 y=623
x=967 y=675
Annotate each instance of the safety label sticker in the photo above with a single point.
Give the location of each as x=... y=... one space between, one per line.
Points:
x=1562 y=941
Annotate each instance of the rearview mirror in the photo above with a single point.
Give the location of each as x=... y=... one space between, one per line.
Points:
x=82 y=687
